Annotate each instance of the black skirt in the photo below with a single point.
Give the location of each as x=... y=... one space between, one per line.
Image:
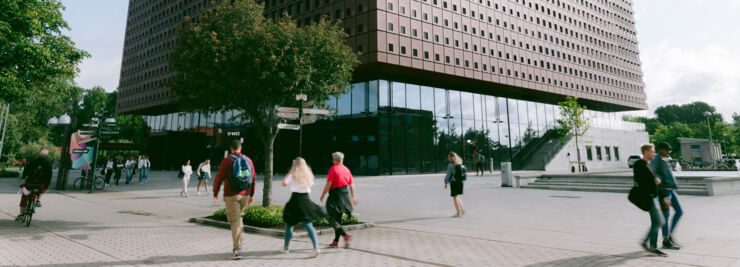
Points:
x=339 y=201
x=456 y=188
x=300 y=208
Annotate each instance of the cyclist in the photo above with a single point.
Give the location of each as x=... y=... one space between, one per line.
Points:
x=37 y=174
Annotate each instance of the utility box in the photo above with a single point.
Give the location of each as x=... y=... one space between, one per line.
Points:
x=507 y=178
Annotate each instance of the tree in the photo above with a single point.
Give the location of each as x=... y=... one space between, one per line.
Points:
x=572 y=122
x=736 y=119
x=651 y=124
x=232 y=58
x=691 y=113
x=35 y=54
x=670 y=134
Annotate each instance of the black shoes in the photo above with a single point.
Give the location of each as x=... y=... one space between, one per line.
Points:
x=657 y=252
x=645 y=246
x=669 y=244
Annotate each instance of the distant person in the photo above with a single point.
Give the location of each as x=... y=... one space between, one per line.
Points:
x=480 y=161
x=204 y=173
x=300 y=208
x=144 y=165
x=234 y=173
x=37 y=175
x=130 y=165
x=455 y=177
x=108 y=170
x=117 y=169
x=187 y=170
x=647 y=183
x=668 y=192
x=737 y=165
x=340 y=185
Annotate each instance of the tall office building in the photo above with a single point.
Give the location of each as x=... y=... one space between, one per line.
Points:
x=436 y=76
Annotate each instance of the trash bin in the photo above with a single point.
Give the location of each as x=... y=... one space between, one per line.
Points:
x=507 y=178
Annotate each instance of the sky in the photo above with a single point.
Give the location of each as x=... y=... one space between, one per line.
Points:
x=688 y=48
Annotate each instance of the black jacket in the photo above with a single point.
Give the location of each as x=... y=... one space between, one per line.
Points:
x=38 y=171
x=645 y=177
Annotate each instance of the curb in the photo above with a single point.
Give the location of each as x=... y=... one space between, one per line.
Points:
x=275 y=232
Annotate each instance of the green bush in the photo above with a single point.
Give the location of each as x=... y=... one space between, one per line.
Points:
x=273 y=217
x=8 y=174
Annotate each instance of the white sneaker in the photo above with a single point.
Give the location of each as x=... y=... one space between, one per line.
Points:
x=284 y=251
x=197 y=193
x=236 y=256
x=456 y=215
x=463 y=212
x=316 y=252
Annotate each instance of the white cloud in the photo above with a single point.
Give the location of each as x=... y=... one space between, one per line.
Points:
x=676 y=75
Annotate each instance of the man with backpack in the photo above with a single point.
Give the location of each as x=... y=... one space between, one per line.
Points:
x=37 y=174
x=238 y=176
x=479 y=162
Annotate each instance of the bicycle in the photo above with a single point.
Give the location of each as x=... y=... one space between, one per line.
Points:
x=33 y=199
x=83 y=183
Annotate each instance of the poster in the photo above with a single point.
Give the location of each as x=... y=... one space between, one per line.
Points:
x=81 y=151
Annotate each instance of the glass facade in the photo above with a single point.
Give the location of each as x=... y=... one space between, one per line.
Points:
x=388 y=127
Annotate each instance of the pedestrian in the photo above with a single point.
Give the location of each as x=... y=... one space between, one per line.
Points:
x=737 y=165
x=204 y=173
x=108 y=171
x=187 y=170
x=480 y=161
x=130 y=164
x=144 y=165
x=300 y=208
x=37 y=174
x=455 y=177
x=647 y=184
x=117 y=169
x=234 y=174
x=340 y=185
x=668 y=189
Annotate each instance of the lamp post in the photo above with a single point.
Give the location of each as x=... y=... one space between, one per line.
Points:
x=65 y=121
x=711 y=142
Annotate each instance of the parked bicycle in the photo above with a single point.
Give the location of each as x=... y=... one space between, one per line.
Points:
x=83 y=182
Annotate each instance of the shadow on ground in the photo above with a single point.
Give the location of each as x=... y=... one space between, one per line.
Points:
x=593 y=260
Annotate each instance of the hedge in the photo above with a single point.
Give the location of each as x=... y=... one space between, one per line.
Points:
x=273 y=217
x=8 y=174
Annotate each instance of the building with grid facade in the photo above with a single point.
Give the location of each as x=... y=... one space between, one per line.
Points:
x=435 y=76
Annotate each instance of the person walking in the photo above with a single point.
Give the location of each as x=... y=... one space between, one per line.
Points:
x=36 y=174
x=118 y=169
x=234 y=174
x=108 y=171
x=144 y=165
x=455 y=177
x=668 y=191
x=479 y=163
x=647 y=184
x=130 y=164
x=204 y=173
x=299 y=208
x=339 y=185
x=187 y=170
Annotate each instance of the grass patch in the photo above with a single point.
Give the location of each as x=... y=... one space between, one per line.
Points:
x=272 y=217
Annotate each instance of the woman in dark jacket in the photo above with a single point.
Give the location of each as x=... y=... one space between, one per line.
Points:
x=647 y=182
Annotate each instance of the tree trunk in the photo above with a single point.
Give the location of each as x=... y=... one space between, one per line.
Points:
x=267 y=189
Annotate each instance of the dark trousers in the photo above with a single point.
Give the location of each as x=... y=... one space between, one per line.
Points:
x=479 y=167
x=117 y=175
x=108 y=173
x=335 y=219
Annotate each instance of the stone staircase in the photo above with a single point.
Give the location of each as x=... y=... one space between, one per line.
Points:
x=609 y=183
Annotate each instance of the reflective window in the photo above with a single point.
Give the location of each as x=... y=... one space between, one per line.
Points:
x=383 y=99
x=413 y=97
x=467 y=105
x=399 y=94
x=440 y=102
x=344 y=104
x=427 y=98
x=454 y=103
x=358 y=98
x=372 y=96
x=332 y=103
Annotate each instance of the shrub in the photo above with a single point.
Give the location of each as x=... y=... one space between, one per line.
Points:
x=8 y=174
x=273 y=217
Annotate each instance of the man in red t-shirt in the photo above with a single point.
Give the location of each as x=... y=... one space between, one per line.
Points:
x=236 y=202
x=339 y=184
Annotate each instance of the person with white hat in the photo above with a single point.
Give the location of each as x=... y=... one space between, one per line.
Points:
x=37 y=174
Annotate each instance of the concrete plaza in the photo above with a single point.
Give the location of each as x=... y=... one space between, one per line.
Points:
x=147 y=225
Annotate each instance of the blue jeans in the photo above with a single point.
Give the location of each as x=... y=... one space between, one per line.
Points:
x=656 y=221
x=143 y=174
x=309 y=228
x=128 y=174
x=668 y=229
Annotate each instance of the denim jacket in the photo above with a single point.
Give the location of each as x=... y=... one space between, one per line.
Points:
x=663 y=171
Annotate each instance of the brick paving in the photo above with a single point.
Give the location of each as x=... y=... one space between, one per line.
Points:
x=144 y=225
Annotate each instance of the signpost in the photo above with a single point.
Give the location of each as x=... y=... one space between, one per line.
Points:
x=299 y=113
x=287 y=126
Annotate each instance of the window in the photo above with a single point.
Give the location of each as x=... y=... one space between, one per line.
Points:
x=390 y=47
x=616 y=153
x=436 y=57
x=414 y=52
x=360 y=28
x=390 y=26
x=589 y=154
x=403 y=10
x=607 y=151
x=390 y=6
x=413 y=32
x=457 y=61
x=360 y=8
x=403 y=50
x=598 y=153
x=447 y=59
x=426 y=56
x=426 y=36
x=403 y=29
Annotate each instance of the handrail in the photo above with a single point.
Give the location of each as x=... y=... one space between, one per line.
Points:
x=524 y=155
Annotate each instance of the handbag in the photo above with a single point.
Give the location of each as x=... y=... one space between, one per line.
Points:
x=180 y=174
x=639 y=198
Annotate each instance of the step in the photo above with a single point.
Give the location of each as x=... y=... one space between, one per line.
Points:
x=694 y=192
x=607 y=181
x=628 y=185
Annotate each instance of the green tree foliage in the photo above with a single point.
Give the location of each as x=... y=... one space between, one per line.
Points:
x=691 y=113
x=35 y=57
x=31 y=150
x=670 y=133
x=232 y=58
x=572 y=122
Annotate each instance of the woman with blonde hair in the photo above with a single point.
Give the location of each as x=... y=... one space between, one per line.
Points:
x=455 y=177
x=300 y=208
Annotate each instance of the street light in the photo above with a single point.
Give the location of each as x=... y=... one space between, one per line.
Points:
x=65 y=121
x=711 y=142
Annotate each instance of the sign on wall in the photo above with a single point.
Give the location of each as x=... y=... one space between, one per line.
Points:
x=81 y=151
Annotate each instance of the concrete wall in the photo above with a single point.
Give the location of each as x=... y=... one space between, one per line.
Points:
x=628 y=143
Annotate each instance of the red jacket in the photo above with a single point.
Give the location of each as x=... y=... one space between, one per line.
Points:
x=225 y=172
